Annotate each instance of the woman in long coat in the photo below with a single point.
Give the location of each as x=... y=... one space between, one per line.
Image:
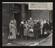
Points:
x=13 y=29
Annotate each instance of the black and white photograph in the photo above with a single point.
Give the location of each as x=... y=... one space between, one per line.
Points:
x=27 y=23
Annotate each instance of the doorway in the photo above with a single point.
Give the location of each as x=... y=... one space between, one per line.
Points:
x=17 y=16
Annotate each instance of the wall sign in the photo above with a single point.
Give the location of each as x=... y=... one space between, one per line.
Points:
x=40 y=6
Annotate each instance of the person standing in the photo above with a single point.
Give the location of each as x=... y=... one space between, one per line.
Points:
x=42 y=22
x=46 y=28
x=22 y=29
x=26 y=30
x=37 y=30
x=13 y=29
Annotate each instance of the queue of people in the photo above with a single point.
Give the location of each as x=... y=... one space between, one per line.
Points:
x=37 y=27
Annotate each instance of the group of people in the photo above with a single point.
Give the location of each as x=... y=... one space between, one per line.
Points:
x=37 y=27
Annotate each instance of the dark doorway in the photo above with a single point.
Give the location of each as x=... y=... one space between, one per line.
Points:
x=17 y=16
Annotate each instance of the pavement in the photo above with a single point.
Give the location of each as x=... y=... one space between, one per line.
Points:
x=47 y=41
x=39 y=42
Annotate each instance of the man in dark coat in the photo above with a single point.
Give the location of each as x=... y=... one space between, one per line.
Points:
x=37 y=30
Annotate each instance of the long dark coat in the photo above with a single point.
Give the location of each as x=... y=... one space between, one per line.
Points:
x=37 y=29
